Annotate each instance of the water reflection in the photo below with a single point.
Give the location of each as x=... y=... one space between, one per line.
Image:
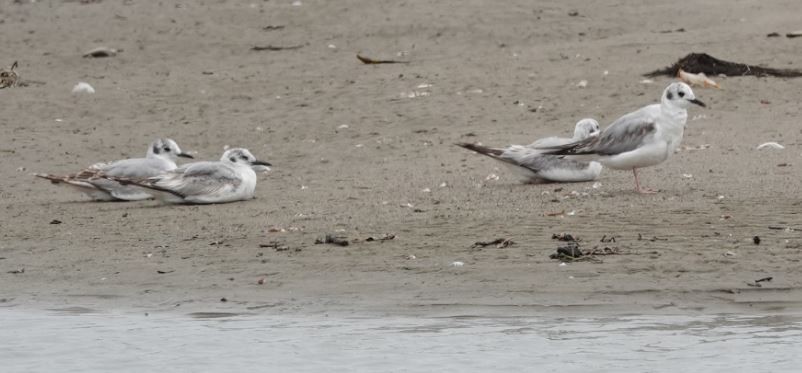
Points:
x=85 y=340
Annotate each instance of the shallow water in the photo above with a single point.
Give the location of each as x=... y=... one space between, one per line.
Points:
x=78 y=340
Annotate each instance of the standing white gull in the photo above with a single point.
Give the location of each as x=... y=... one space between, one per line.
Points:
x=642 y=138
x=534 y=167
x=92 y=181
x=231 y=179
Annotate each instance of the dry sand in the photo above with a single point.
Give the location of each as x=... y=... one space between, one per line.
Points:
x=499 y=73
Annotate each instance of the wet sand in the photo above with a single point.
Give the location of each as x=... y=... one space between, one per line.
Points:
x=478 y=71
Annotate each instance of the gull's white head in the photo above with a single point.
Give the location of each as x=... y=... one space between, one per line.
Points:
x=681 y=95
x=167 y=149
x=242 y=157
x=585 y=128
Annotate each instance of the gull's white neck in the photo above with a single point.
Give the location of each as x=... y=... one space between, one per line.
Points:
x=678 y=114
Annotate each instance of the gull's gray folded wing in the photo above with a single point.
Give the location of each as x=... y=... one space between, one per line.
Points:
x=201 y=178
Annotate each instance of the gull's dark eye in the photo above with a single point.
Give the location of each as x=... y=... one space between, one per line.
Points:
x=167 y=149
x=681 y=94
x=233 y=159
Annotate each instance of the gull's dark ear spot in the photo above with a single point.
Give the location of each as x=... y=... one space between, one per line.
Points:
x=156 y=149
x=669 y=95
x=233 y=159
x=681 y=94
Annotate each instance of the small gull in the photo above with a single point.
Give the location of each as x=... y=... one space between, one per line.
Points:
x=92 y=181
x=231 y=179
x=642 y=138
x=533 y=167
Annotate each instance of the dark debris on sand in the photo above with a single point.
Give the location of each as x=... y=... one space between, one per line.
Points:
x=711 y=66
x=572 y=250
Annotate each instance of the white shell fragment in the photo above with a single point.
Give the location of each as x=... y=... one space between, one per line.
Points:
x=771 y=145
x=83 y=87
x=582 y=84
x=700 y=79
x=457 y=264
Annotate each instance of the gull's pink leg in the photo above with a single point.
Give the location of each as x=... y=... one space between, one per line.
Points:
x=638 y=188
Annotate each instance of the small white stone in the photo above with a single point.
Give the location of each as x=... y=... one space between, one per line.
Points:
x=687 y=176
x=771 y=145
x=582 y=83
x=597 y=185
x=563 y=264
x=342 y=127
x=443 y=184
x=457 y=264
x=83 y=87
x=647 y=81
x=426 y=190
x=297 y=3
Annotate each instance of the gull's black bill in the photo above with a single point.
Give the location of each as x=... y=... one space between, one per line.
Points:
x=261 y=163
x=697 y=102
x=185 y=155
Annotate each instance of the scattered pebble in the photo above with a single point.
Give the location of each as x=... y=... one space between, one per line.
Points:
x=771 y=144
x=647 y=81
x=582 y=84
x=492 y=177
x=457 y=264
x=83 y=87
x=100 y=52
x=756 y=240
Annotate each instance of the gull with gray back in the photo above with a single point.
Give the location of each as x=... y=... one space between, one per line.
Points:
x=94 y=182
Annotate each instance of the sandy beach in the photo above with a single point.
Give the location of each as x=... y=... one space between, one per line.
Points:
x=364 y=151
